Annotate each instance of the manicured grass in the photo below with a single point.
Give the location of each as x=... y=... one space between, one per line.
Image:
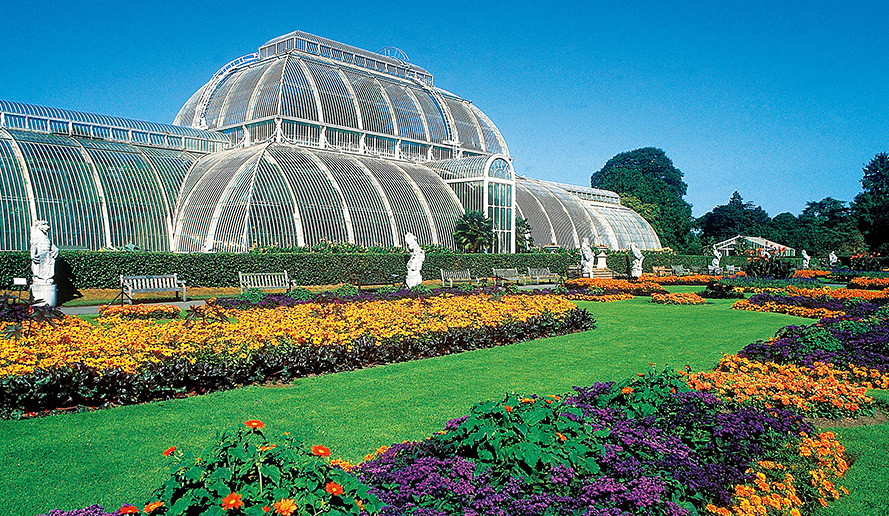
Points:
x=114 y=456
x=866 y=480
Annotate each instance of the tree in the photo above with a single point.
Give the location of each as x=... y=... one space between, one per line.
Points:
x=871 y=206
x=474 y=232
x=649 y=177
x=732 y=219
x=523 y=239
x=827 y=225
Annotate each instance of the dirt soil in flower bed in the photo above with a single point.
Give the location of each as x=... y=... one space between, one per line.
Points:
x=878 y=418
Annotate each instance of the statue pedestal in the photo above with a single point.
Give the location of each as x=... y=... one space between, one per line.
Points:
x=44 y=294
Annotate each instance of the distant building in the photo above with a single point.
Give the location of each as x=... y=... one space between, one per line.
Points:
x=306 y=140
x=739 y=244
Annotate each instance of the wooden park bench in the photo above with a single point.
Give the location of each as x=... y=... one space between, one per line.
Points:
x=130 y=285
x=661 y=271
x=679 y=270
x=449 y=277
x=373 y=277
x=543 y=275
x=504 y=275
x=265 y=281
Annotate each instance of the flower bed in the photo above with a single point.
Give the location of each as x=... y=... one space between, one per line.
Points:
x=140 y=311
x=821 y=390
x=601 y=298
x=815 y=303
x=811 y=273
x=646 y=445
x=679 y=298
x=692 y=279
x=613 y=286
x=74 y=363
x=869 y=283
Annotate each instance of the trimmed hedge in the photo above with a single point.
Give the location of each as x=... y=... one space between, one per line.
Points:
x=102 y=269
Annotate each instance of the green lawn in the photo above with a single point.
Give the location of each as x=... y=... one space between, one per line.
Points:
x=114 y=456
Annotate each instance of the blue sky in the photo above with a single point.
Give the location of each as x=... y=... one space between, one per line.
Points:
x=783 y=101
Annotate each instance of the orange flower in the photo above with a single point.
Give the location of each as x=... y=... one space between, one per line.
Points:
x=152 y=506
x=508 y=408
x=285 y=506
x=169 y=451
x=232 y=501
x=320 y=451
x=527 y=400
x=561 y=437
x=627 y=390
x=360 y=504
x=129 y=509
x=255 y=424
x=266 y=508
x=334 y=488
x=269 y=447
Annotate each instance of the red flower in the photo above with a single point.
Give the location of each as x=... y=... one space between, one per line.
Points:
x=129 y=509
x=169 y=451
x=152 y=506
x=508 y=408
x=266 y=508
x=320 y=451
x=232 y=501
x=334 y=488
x=253 y=423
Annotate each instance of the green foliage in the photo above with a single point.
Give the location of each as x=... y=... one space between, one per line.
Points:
x=871 y=206
x=649 y=177
x=640 y=396
x=253 y=295
x=474 y=233
x=735 y=218
x=526 y=436
x=769 y=268
x=523 y=239
x=263 y=470
x=302 y=294
x=345 y=291
x=811 y=338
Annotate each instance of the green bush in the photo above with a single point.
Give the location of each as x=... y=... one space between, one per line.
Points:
x=245 y=470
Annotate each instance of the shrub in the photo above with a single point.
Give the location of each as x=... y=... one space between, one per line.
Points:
x=246 y=470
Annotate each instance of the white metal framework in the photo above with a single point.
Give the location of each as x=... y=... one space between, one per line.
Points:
x=306 y=140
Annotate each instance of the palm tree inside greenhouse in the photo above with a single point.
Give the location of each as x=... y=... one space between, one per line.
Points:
x=474 y=232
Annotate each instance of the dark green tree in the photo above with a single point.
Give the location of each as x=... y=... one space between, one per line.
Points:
x=827 y=225
x=732 y=219
x=523 y=239
x=871 y=206
x=474 y=232
x=649 y=177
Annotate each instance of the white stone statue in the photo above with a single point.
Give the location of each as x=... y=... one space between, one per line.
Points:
x=587 y=258
x=714 y=267
x=636 y=271
x=415 y=262
x=806 y=259
x=43 y=254
x=834 y=261
x=43 y=265
x=602 y=260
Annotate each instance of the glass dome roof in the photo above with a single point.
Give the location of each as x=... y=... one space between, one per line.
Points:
x=340 y=97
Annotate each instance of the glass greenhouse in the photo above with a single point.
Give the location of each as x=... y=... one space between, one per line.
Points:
x=306 y=140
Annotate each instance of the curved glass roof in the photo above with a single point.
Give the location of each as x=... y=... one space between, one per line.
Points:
x=94 y=193
x=285 y=195
x=384 y=107
x=565 y=214
x=29 y=117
